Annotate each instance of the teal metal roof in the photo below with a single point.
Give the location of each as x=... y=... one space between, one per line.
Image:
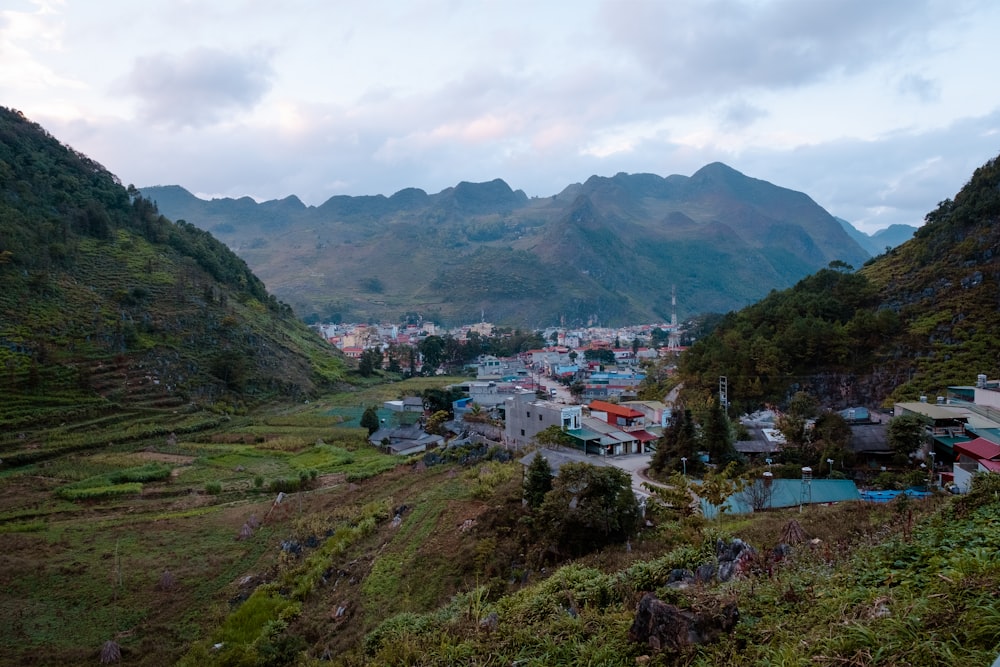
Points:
x=583 y=434
x=991 y=434
x=788 y=493
x=949 y=443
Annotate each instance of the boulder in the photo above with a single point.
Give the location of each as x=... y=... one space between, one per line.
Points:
x=734 y=558
x=680 y=579
x=665 y=627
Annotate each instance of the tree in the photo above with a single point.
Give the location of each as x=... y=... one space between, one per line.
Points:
x=906 y=434
x=432 y=348
x=370 y=420
x=394 y=358
x=757 y=493
x=370 y=361
x=474 y=413
x=717 y=435
x=440 y=399
x=553 y=436
x=798 y=443
x=659 y=337
x=678 y=441
x=537 y=481
x=832 y=439
x=719 y=484
x=435 y=423
x=576 y=389
x=232 y=368
x=600 y=356
x=677 y=496
x=589 y=507
x=803 y=404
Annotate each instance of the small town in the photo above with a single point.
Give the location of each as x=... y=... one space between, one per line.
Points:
x=585 y=385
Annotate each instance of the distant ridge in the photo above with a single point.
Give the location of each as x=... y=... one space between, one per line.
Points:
x=877 y=243
x=605 y=251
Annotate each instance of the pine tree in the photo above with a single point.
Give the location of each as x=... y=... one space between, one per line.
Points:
x=537 y=481
x=717 y=435
x=678 y=441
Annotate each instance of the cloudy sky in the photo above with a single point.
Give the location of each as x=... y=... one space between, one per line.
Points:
x=877 y=109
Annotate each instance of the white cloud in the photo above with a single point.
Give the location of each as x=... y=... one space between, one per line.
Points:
x=26 y=39
x=197 y=87
x=876 y=110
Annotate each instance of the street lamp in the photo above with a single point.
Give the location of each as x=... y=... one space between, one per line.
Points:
x=829 y=463
x=768 y=462
x=684 y=463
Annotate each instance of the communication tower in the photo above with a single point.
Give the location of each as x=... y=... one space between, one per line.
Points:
x=805 y=495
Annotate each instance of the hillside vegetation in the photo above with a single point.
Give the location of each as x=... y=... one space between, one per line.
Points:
x=911 y=322
x=171 y=550
x=606 y=251
x=106 y=304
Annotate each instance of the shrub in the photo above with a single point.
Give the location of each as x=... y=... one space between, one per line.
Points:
x=284 y=485
x=94 y=492
x=213 y=488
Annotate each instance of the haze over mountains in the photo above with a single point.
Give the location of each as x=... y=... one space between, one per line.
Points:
x=607 y=251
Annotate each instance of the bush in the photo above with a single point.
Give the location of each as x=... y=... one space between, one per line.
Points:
x=94 y=492
x=213 y=488
x=285 y=485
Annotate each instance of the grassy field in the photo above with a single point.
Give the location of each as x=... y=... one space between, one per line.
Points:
x=128 y=529
x=172 y=547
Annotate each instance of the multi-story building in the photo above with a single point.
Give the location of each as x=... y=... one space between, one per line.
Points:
x=526 y=416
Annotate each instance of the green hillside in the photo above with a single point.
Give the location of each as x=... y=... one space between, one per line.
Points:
x=107 y=304
x=911 y=322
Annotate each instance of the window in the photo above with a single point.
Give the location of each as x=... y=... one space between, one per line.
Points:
x=522 y=432
x=539 y=418
x=529 y=414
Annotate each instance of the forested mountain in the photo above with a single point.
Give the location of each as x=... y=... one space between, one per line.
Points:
x=882 y=240
x=605 y=251
x=923 y=316
x=105 y=301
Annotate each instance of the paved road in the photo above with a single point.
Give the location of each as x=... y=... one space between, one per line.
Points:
x=635 y=465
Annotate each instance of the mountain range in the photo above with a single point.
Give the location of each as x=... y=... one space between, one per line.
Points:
x=611 y=250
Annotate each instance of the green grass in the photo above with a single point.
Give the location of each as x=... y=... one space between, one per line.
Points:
x=100 y=492
x=323 y=458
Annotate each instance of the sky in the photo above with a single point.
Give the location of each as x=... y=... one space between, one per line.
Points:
x=878 y=110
